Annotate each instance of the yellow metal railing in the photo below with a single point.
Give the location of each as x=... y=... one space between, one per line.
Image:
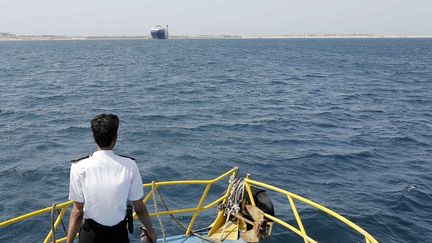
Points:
x=201 y=207
x=301 y=231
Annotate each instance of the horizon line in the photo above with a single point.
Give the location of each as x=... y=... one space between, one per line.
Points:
x=11 y=36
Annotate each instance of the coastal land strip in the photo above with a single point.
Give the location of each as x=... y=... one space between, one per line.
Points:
x=13 y=37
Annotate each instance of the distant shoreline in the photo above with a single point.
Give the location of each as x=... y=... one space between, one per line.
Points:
x=12 y=37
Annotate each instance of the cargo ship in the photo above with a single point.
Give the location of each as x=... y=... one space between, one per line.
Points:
x=158 y=32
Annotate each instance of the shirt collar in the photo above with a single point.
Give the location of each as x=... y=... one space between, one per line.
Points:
x=103 y=152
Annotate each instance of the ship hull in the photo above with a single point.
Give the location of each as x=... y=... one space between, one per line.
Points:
x=159 y=34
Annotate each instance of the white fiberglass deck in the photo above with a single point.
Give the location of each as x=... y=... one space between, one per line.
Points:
x=193 y=239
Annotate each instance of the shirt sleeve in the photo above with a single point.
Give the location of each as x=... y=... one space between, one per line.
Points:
x=136 y=188
x=75 y=185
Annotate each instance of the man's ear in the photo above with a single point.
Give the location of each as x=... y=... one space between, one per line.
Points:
x=114 y=140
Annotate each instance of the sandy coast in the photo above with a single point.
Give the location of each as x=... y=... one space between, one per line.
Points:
x=12 y=37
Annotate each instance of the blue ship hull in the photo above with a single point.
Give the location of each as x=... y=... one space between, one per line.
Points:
x=159 y=34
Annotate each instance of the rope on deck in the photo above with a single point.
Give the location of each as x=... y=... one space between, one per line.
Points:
x=157 y=212
x=182 y=225
x=53 y=209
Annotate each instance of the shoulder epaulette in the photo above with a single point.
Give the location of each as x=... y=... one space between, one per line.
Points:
x=126 y=157
x=76 y=160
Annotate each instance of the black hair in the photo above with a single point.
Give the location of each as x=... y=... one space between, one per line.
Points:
x=104 y=127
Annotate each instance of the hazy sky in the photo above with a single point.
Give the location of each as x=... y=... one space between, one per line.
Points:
x=235 y=17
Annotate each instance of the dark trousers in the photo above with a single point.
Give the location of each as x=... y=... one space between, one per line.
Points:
x=93 y=232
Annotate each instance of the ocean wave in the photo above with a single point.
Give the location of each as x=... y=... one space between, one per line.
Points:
x=405 y=140
x=316 y=76
x=158 y=117
x=231 y=126
x=75 y=129
x=354 y=159
x=18 y=172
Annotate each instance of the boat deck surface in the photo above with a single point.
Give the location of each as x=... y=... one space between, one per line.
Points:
x=193 y=239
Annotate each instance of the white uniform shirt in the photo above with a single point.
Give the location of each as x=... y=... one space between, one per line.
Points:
x=104 y=182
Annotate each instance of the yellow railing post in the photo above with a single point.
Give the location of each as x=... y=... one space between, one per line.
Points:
x=249 y=190
x=150 y=194
x=298 y=219
x=57 y=222
x=198 y=208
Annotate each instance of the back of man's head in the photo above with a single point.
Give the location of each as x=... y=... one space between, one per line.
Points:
x=104 y=127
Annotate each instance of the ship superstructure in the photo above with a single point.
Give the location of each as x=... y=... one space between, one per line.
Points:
x=159 y=32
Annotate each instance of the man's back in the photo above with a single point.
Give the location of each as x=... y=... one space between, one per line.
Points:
x=100 y=186
x=105 y=181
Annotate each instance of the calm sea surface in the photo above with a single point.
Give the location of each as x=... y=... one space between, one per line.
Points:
x=346 y=123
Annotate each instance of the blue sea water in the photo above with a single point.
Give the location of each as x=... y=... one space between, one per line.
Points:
x=344 y=122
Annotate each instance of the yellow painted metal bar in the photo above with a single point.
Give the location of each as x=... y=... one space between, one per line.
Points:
x=193 y=182
x=188 y=210
x=198 y=209
x=176 y=211
x=176 y=183
x=249 y=190
x=214 y=203
x=185 y=210
x=227 y=193
x=56 y=223
x=149 y=194
x=316 y=205
x=61 y=240
x=288 y=226
x=233 y=171
x=298 y=219
x=32 y=214
x=64 y=239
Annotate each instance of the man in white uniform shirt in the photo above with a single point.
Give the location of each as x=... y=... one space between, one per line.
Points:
x=100 y=186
